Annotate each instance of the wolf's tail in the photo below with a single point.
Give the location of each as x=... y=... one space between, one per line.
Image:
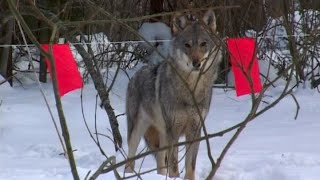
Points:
x=151 y=137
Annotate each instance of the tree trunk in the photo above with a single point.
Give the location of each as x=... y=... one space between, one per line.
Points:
x=156 y=6
x=6 y=53
x=102 y=92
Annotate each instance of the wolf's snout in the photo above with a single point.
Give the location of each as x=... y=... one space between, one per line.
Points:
x=196 y=63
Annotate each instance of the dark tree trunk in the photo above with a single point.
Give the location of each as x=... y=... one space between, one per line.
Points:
x=6 y=52
x=156 y=6
x=310 y=4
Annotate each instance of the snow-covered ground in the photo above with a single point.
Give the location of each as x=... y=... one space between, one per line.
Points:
x=272 y=147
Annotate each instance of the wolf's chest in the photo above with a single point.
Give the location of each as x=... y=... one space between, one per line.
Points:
x=187 y=118
x=188 y=96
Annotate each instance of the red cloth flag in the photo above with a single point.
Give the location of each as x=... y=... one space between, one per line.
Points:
x=244 y=62
x=68 y=76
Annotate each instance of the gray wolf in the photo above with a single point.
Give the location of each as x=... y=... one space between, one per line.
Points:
x=171 y=99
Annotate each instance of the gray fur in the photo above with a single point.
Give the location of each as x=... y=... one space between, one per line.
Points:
x=166 y=97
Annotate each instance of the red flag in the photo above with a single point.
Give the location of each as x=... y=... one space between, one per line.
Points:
x=68 y=76
x=244 y=61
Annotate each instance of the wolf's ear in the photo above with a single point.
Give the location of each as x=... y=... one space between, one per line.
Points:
x=209 y=19
x=179 y=22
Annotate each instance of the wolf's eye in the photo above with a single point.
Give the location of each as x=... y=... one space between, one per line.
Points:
x=187 y=45
x=203 y=44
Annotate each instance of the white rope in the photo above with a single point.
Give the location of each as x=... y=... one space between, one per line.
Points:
x=151 y=41
x=283 y=36
x=92 y=43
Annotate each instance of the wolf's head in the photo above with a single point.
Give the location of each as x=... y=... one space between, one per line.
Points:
x=195 y=44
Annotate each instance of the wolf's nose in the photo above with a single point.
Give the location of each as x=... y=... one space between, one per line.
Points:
x=196 y=63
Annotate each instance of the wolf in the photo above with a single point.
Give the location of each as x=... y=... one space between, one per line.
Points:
x=169 y=100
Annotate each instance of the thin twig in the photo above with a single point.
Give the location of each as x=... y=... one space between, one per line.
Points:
x=297 y=104
x=63 y=123
x=42 y=90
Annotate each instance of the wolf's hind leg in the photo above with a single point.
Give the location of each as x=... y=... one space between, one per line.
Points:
x=133 y=142
x=161 y=156
x=153 y=141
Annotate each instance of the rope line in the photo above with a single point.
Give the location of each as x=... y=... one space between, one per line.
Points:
x=92 y=43
x=151 y=41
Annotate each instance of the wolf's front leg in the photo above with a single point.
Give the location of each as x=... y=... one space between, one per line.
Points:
x=173 y=163
x=191 y=153
x=161 y=156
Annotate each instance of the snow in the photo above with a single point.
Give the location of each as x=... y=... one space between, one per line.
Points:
x=152 y=32
x=274 y=146
x=155 y=31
